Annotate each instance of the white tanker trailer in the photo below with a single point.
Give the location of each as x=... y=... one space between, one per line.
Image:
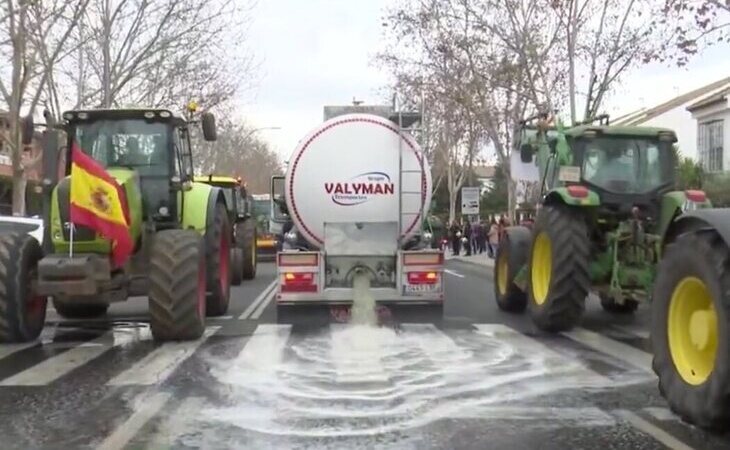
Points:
x=356 y=191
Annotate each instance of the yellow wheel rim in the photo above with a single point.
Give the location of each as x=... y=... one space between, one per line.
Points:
x=541 y=268
x=692 y=330
x=502 y=273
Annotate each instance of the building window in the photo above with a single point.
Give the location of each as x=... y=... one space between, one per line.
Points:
x=710 y=137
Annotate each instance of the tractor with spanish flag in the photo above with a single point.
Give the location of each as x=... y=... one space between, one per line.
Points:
x=123 y=216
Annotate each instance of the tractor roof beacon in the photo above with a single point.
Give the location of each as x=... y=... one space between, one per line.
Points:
x=240 y=212
x=606 y=203
x=180 y=229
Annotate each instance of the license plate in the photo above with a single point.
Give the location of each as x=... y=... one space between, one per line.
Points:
x=419 y=288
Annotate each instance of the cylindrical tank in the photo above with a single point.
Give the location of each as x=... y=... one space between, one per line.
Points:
x=346 y=170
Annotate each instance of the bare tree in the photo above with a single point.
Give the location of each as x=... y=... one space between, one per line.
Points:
x=34 y=38
x=158 y=53
x=238 y=152
x=695 y=24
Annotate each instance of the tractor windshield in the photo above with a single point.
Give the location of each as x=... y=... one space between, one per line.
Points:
x=627 y=164
x=134 y=143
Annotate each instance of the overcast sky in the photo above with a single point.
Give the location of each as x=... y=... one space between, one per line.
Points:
x=319 y=52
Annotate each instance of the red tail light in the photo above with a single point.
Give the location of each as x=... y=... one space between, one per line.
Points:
x=422 y=277
x=299 y=282
x=578 y=191
x=696 y=195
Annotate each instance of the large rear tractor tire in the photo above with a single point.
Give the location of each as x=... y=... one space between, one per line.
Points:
x=558 y=279
x=218 y=261
x=690 y=329
x=177 y=285
x=22 y=312
x=77 y=309
x=511 y=257
x=611 y=306
x=246 y=237
x=236 y=266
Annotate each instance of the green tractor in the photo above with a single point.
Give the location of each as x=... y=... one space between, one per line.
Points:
x=181 y=229
x=607 y=205
x=243 y=253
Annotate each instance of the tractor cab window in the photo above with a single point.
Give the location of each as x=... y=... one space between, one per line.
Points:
x=132 y=143
x=627 y=164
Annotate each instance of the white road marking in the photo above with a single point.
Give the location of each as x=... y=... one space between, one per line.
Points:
x=530 y=346
x=356 y=354
x=633 y=330
x=661 y=414
x=456 y=274
x=588 y=416
x=160 y=363
x=264 y=349
x=623 y=352
x=177 y=423
x=8 y=349
x=257 y=300
x=652 y=430
x=148 y=408
x=59 y=365
x=436 y=343
x=262 y=306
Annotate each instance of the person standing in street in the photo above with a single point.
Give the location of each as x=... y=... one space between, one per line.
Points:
x=455 y=232
x=493 y=237
x=467 y=235
x=475 y=237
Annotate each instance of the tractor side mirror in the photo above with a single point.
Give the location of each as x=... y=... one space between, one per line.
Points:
x=208 y=123
x=26 y=129
x=526 y=153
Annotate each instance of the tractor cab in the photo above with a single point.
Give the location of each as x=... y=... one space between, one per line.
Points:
x=235 y=191
x=626 y=167
x=613 y=167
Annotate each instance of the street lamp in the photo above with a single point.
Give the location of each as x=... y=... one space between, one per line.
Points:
x=248 y=135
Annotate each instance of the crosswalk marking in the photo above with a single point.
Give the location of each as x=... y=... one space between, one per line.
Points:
x=633 y=330
x=160 y=363
x=661 y=414
x=59 y=365
x=8 y=349
x=355 y=352
x=620 y=351
x=264 y=349
x=437 y=345
x=652 y=430
x=177 y=423
x=148 y=407
x=529 y=346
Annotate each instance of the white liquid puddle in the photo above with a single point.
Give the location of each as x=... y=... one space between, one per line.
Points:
x=360 y=380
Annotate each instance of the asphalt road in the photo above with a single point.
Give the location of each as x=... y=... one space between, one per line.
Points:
x=477 y=379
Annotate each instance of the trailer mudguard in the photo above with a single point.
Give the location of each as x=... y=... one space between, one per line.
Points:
x=710 y=219
x=563 y=195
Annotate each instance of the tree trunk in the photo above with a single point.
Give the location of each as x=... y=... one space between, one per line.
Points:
x=106 y=57
x=19 y=186
x=452 y=205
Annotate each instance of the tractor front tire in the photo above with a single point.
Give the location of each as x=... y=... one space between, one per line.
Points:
x=22 y=312
x=246 y=239
x=558 y=279
x=236 y=266
x=77 y=309
x=511 y=257
x=611 y=306
x=177 y=286
x=218 y=256
x=690 y=329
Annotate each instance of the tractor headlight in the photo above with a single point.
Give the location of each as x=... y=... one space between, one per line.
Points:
x=427 y=236
x=164 y=211
x=291 y=237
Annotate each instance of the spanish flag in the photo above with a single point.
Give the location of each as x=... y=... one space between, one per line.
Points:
x=99 y=202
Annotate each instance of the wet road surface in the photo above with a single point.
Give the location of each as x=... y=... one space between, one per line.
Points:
x=477 y=379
